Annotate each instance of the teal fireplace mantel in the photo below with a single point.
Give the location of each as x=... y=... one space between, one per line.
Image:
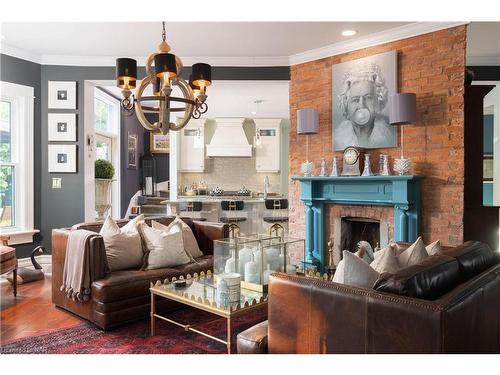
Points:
x=401 y=192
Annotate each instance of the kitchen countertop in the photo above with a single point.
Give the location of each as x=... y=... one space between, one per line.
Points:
x=210 y=199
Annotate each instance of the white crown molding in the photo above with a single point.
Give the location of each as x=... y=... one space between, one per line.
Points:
x=20 y=53
x=490 y=60
x=391 y=35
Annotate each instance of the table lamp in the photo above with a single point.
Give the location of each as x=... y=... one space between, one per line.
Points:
x=307 y=123
x=402 y=111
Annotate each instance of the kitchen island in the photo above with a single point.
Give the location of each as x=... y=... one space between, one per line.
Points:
x=254 y=210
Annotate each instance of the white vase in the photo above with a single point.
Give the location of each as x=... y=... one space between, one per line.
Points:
x=102 y=197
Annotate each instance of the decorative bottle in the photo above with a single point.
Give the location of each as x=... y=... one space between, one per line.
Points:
x=367 y=171
x=335 y=170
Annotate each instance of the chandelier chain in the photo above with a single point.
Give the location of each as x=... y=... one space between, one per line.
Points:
x=164 y=31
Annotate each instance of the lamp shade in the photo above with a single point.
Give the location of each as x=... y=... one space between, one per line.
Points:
x=403 y=109
x=126 y=68
x=165 y=63
x=156 y=86
x=202 y=74
x=307 y=121
x=191 y=84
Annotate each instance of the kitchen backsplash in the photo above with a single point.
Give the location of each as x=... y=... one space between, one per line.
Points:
x=232 y=174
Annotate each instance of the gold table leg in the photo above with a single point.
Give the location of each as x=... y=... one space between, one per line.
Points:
x=229 y=335
x=153 y=312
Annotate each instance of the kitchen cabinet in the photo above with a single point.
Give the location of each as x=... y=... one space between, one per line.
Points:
x=192 y=147
x=268 y=154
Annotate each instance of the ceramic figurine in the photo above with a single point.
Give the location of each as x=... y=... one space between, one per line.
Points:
x=335 y=170
x=323 y=167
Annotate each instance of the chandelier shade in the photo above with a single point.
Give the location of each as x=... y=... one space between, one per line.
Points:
x=165 y=63
x=157 y=87
x=126 y=69
x=191 y=84
x=202 y=74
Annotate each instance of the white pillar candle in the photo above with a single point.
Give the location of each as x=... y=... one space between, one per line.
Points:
x=252 y=272
x=290 y=269
x=230 y=263
x=245 y=256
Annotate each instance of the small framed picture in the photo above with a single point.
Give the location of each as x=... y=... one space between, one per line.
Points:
x=132 y=151
x=62 y=159
x=159 y=143
x=62 y=127
x=62 y=95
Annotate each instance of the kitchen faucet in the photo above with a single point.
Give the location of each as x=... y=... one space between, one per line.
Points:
x=267 y=185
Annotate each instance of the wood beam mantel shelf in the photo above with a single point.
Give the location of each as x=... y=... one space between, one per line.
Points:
x=401 y=192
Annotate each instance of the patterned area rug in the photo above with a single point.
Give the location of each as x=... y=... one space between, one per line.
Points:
x=134 y=338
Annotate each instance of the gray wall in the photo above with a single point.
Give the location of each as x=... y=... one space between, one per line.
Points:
x=57 y=208
x=27 y=73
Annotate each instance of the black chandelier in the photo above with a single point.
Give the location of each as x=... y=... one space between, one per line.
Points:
x=163 y=77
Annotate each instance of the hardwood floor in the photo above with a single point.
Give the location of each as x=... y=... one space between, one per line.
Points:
x=31 y=312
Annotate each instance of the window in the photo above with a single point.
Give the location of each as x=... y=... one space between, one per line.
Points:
x=104 y=113
x=16 y=162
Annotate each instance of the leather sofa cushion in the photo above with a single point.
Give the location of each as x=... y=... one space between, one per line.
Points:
x=473 y=257
x=120 y=285
x=433 y=277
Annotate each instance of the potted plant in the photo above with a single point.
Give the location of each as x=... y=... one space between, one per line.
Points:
x=104 y=172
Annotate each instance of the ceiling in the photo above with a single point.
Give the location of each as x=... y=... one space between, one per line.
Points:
x=253 y=40
x=221 y=43
x=483 y=43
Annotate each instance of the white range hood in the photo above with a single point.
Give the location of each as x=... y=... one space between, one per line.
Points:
x=229 y=139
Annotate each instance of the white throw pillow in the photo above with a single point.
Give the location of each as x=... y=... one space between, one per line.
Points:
x=190 y=244
x=354 y=271
x=434 y=248
x=123 y=245
x=415 y=254
x=164 y=248
x=386 y=260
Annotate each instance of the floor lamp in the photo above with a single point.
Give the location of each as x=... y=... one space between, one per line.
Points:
x=402 y=111
x=307 y=123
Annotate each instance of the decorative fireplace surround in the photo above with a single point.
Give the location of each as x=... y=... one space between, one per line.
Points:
x=401 y=192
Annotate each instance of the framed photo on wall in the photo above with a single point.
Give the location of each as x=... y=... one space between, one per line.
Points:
x=62 y=158
x=62 y=95
x=360 y=102
x=62 y=127
x=131 y=151
x=159 y=143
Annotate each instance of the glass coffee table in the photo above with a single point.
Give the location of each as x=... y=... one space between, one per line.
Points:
x=201 y=292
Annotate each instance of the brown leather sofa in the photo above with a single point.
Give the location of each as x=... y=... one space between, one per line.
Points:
x=123 y=296
x=460 y=315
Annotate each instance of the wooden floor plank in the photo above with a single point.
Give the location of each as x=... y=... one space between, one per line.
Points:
x=31 y=312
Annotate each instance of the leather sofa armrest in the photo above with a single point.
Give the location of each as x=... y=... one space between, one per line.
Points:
x=253 y=340
x=207 y=232
x=59 y=243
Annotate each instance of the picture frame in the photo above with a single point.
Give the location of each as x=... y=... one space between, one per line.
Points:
x=62 y=158
x=159 y=143
x=131 y=151
x=360 y=102
x=62 y=95
x=62 y=127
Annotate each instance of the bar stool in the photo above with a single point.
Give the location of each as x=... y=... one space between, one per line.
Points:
x=277 y=218
x=231 y=219
x=186 y=209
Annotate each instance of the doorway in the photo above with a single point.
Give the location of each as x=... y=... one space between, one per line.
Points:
x=107 y=140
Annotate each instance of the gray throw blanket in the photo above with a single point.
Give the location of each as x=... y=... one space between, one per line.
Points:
x=81 y=265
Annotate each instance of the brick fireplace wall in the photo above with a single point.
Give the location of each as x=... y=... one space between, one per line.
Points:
x=430 y=65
